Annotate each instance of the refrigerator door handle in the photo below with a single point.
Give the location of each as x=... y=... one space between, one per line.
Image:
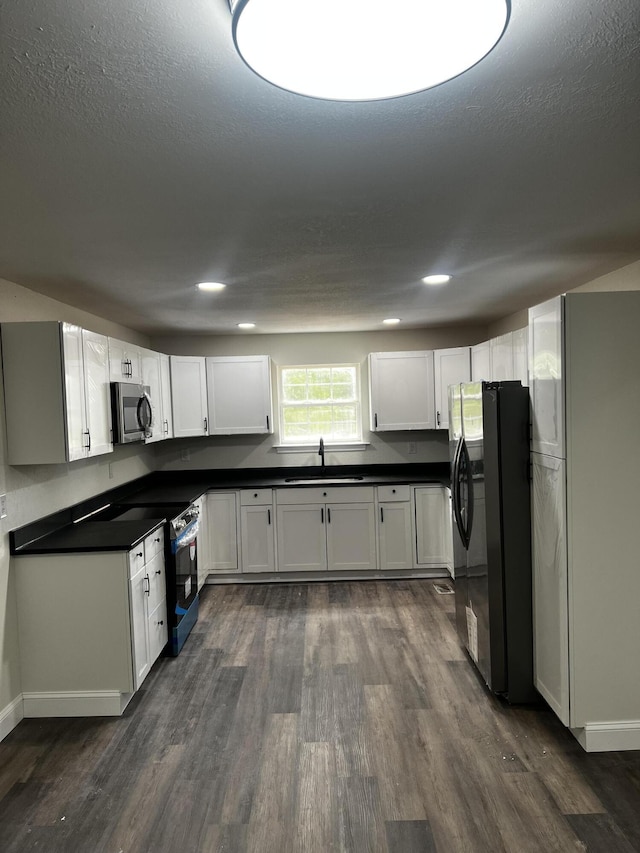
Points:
x=468 y=520
x=455 y=492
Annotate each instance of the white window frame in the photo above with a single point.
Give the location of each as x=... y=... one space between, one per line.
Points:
x=340 y=443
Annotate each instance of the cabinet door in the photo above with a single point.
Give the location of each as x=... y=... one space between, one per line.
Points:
x=165 y=397
x=546 y=377
x=204 y=545
x=550 y=583
x=188 y=396
x=351 y=537
x=77 y=436
x=401 y=394
x=97 y=395
x=451 y=366
x=157 y=581
x=258 y=540
x=239 y=395
x=394 y=535
x=481 y=362
x=520 y=356
x=222 y=521
x=430 y=548
x=502 y=358
x=138 y=608
x=150 y=366
x=302 y=540
x=158 y=631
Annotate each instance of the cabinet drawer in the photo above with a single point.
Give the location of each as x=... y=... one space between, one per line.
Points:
x=393 y=493
x=256 y=497
x=154 y=544
x=326 y=494
x=136 y=559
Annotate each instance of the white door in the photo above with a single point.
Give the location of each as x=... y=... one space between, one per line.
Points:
x=401 y=394
x=150 y=366
x=550 y=583
x=138 y=586
x=95 y=353
x=502 y=358
x=258 y=540
x=430 y=546
x=302 y=539
x=222 y=531
x=481 y=362
x=394 y=535
x=77 y=436
x=451 y=367
x=239 y=395
x=546 y=377
x=165 y=397
x=351 y=537
x=125 y=364
x=189 y=396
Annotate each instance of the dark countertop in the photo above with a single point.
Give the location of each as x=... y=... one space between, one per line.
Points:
x=168 y=490
x=90 y=536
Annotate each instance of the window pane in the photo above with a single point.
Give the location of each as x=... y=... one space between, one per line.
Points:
x=320 y=400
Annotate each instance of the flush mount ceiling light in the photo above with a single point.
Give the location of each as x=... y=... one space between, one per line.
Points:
x=391 y=321
x=364 y=50
x=436 y=279
x=211 y=285
x=246 y=325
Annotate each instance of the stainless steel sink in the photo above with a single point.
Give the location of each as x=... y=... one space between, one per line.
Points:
x=322 y=481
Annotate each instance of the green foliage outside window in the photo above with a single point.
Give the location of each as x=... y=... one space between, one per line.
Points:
x=320 y=400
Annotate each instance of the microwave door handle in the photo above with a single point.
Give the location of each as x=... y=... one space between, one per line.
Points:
x=145 y=421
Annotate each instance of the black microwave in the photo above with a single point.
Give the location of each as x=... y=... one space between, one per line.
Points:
x=131 y=412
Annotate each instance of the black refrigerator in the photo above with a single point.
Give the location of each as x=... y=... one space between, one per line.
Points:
x=490 y=497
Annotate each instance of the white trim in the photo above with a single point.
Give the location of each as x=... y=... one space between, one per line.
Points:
x=89 y=703
x=302 y=577
x=10 y=716
x=306 y=448
x=609 y=737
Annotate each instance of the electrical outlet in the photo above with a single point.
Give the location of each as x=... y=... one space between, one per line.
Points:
x=3 y=506
x=110 y=470
x=185 y=455
x=412 y=447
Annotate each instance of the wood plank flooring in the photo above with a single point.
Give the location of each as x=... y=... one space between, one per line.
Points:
x=306 y=718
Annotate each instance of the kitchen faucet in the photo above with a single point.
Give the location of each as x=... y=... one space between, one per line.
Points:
x=321 y=452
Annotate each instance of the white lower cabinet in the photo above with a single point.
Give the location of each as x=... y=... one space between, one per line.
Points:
x=257 y=531
x=429 y=525
x=394 y=527
x=203 y=557
x=326 y=529
x=222 y=514
x=91 y=626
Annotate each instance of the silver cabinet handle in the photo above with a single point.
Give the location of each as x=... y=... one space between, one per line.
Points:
x=205 y=426
x=438 y=418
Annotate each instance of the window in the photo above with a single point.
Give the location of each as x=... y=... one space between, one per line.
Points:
x=320 y=400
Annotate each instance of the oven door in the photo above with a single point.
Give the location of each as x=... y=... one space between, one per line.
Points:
x=185 y=553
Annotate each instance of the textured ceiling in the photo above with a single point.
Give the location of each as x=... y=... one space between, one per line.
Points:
x=139 y=155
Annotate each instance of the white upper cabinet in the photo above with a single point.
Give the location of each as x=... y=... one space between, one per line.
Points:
x=481 y=362
x=155 y=374
x=57 y=400
x=502 y=358
x=520 y=355
x=239 y=394
x=451 y=366
x=401 y=391
x=546 y=377
x=189 y=396
x=125 y=361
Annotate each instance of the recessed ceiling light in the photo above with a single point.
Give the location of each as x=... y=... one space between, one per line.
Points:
x=211 y=285
x=392 y=321
x=436 y=279
x=364 y=50
x=246 y=325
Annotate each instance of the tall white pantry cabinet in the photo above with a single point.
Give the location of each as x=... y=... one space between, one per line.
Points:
x=584 y=353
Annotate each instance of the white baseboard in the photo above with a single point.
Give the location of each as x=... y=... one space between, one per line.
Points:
x=10 y=716
x=91 y=703
x=303 y=577
x=609 y=737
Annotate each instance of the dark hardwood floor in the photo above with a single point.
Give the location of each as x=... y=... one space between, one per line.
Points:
x=315 y=717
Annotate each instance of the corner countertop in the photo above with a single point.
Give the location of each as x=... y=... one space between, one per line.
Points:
x=88 y=536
